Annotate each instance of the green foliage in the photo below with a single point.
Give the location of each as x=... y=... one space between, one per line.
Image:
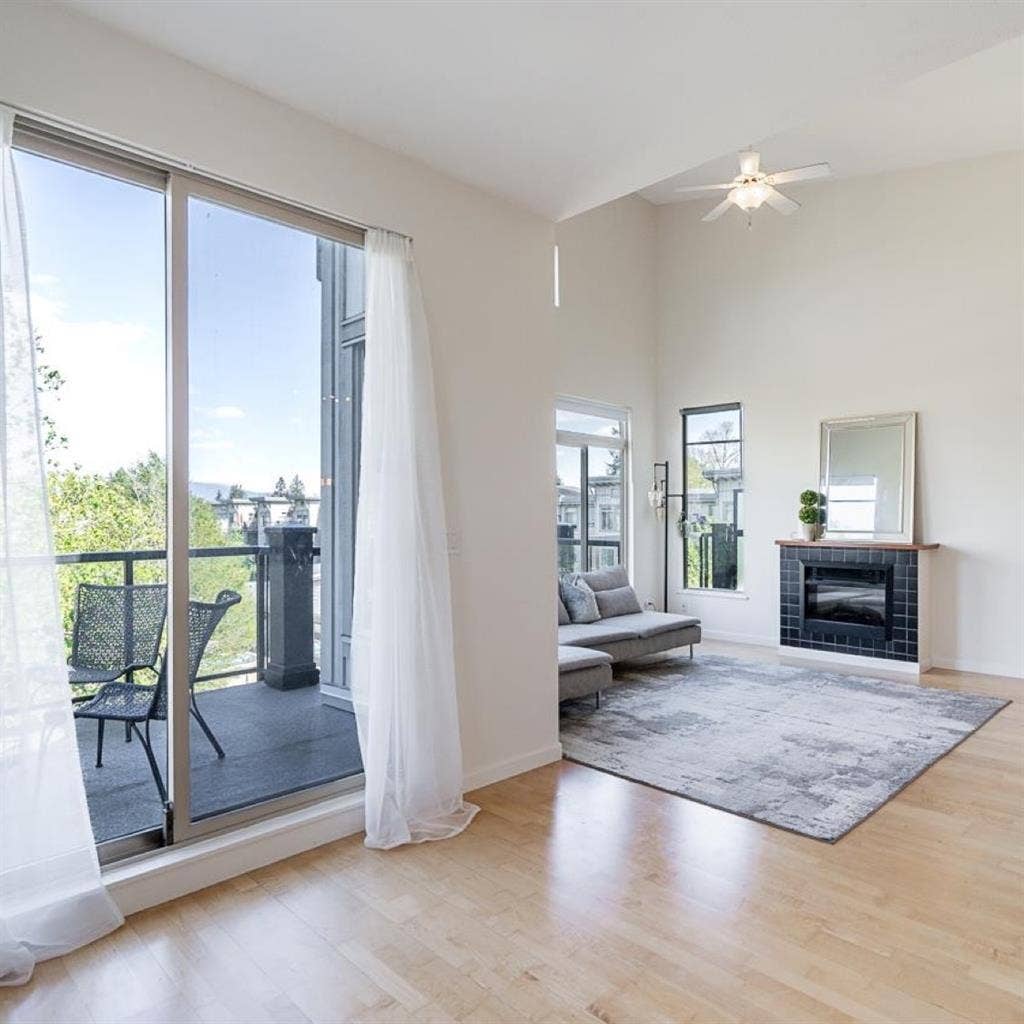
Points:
x=808 y=514
x=812 y=498
x=126 y=511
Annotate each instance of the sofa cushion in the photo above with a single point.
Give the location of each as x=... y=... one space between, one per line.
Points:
x=617 y=601
x=563 y=615
x=580 y=634
x=579 y=599
x=572 y=658
x=606 y=579
x=647 y=624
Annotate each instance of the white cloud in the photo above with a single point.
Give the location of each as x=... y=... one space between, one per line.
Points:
x=111 y=405
x=228 y=412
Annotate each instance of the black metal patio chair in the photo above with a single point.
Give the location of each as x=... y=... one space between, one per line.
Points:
x=117 y=630
x=139 y=705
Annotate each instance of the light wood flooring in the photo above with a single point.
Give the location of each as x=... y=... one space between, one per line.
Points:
x=576 y=896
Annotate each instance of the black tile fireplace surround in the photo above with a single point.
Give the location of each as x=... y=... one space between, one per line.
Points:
x=849 y=600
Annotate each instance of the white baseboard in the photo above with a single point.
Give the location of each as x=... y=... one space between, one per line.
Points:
x=167 y=874
x=984 y=668
x=491 y=773
x=738 y=638
x=903 y=668
x=155 y=878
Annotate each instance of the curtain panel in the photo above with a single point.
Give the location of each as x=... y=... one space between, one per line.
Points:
x=403 y=666
x=51 y=897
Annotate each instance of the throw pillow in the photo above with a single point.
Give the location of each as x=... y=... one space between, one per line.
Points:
x=579 y=599
x=619 y=601
x=563 y=615
x=607 y=579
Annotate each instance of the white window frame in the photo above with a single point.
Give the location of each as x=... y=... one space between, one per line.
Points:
x=576 y=439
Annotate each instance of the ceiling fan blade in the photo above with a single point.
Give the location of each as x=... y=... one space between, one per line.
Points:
x=782 y=204
x=718 y=210
x=750 y=162
x=704 y=188
x=799 y=174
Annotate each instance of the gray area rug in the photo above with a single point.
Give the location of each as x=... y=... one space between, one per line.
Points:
x=809 y=751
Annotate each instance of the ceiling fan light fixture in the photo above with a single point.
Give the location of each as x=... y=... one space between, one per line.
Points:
x=750 y=196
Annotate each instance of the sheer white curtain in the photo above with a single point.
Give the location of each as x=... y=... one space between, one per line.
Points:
x=403 y=668
x=51 y=898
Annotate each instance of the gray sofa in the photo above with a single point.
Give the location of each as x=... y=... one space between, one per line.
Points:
x=587 y=650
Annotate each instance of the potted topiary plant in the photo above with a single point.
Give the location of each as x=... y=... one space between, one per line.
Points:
x=809 y=514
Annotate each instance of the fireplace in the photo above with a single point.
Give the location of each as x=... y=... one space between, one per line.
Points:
x=861 y=601
x=846 y=600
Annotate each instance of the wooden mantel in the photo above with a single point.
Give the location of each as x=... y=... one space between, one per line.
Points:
x=886 y=545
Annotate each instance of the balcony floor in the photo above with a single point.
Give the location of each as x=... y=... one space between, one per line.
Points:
x=275 y=742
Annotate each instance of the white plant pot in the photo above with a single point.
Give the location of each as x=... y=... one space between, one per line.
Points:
x=809 y=531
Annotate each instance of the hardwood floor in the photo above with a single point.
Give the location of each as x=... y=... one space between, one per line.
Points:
x=577 y=896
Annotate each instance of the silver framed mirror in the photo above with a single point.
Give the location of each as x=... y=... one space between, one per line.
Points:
x=867 y=477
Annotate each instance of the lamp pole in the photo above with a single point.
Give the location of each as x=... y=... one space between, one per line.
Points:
x=662 y=483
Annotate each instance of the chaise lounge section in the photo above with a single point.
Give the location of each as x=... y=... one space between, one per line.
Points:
x=614 y=638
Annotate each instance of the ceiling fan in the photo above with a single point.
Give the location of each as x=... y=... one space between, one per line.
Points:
x=752 y=186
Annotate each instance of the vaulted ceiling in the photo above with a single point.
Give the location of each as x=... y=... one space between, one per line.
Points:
x=562 y=106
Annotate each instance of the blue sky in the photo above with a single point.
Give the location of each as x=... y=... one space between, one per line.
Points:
x=96 y=262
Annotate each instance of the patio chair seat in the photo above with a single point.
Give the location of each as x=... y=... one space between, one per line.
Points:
x=78 y=676
x=124 y=702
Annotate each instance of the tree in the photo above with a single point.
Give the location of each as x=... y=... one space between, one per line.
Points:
x=49 y=381
x=237 y=491
x=296 y=490
x=126 y=511
x=280 y=488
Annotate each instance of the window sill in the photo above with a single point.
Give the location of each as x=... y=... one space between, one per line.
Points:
x=728 y=595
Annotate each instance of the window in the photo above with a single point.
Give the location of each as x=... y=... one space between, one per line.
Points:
x=266 y=310
x=712 y=517
x=591 y=456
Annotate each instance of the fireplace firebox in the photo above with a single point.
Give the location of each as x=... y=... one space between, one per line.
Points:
x=846 y=600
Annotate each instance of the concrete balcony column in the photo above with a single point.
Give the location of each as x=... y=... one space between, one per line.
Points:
x=290 y=607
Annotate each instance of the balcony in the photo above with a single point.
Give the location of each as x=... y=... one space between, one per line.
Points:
x=278 y=737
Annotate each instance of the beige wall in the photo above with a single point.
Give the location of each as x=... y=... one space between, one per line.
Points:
x=486 y=272
x=882 y=294
x=606 y=343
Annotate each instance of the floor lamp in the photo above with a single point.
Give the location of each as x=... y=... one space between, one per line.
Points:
x=658 y=497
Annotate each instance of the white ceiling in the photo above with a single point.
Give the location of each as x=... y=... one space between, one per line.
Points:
x=562 y=106
x=972 y=107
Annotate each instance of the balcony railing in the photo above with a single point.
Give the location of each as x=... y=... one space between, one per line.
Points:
x=568 y=548
x=260 y=579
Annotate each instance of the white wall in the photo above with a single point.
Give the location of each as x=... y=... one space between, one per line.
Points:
x=882 y=294
x=606 y=343
x=486 y=272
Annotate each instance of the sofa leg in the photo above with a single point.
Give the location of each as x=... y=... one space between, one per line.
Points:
x=597 y=699
x=691 y=652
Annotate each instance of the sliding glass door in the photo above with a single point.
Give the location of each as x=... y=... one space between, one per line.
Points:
x=200 y=354
x=263 y=426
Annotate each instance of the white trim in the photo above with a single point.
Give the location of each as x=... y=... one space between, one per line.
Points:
x=751 y=639
x=904 y=668
x=728 y=595
x=587 y=406
x=982 y=668
x=500 y=770
x=177 y=870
